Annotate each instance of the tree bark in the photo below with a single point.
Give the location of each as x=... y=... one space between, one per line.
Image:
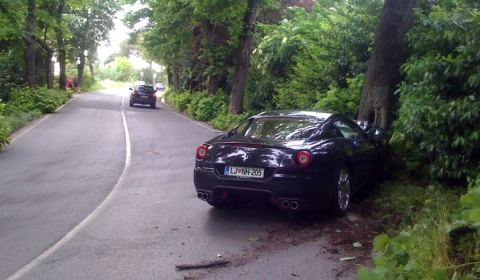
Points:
x=383 y=74
x=30 y=50
x=62 y=53
x=48 y=63
x=243 y=59
x=81 y=68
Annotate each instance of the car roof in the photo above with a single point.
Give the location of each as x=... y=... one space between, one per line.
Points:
x=296 y=113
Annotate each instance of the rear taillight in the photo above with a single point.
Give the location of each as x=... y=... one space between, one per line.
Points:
x=304 y=158
x=202 y=152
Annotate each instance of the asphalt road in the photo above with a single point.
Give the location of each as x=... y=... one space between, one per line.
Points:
x=99 y=190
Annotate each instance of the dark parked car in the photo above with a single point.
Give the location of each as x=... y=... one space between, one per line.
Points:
x=143 y=94
x=297 y=160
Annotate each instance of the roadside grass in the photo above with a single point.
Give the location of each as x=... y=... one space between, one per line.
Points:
x=417 y=244
x=18 y=118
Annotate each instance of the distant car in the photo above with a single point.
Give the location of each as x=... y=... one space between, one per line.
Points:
x=160 y=86
x=296 y=160
x=143 y=94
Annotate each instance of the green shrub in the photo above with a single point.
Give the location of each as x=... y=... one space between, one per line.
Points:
x=18 y=118
x=42 y=99
x=4 y=128
x=226 y=121
x=181 y=100
x=342 y=100
x=440 y=241
x=438 y=133
x=205 y=107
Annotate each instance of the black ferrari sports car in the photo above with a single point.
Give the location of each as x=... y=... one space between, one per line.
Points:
x=297 y=160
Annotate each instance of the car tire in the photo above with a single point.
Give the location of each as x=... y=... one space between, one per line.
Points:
x=153 y=105
x=342 y=193
x=131 y=103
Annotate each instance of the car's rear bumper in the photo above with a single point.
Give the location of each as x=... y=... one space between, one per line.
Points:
x=143 y=100
x=310 y=190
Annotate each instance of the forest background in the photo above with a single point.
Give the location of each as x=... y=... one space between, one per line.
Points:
x=411 y=67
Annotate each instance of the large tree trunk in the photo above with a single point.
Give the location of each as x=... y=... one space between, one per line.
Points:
x=62 y=53
x=48 y=63
x=243 y=59
x=383 y=74
x=30 y=51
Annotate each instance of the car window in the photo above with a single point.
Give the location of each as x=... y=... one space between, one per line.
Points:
x=345 y=130
x=281 y=128
x=144 y=89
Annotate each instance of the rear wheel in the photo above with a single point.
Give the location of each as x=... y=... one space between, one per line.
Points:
x=131 y=103
x=153 y=105
x=342 y=193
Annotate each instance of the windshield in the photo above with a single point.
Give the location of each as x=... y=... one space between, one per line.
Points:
x=278 y=128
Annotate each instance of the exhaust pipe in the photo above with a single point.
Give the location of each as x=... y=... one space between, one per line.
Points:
x=285 y=204
x=202 y=195
x=205 y=196
x=294 y=205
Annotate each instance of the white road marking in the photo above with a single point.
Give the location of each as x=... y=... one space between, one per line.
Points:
x=88 y=219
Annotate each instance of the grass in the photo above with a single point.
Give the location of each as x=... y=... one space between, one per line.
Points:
x=418 y=219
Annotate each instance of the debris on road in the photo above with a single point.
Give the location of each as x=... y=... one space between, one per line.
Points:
x=347 y=259
x=202 y=265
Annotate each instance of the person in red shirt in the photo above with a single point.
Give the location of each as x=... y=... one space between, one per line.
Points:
x=70 y=83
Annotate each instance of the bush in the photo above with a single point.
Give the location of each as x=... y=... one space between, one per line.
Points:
x=4 y=128
x=438 y=133
x=205 y=107
x=182 y=100
x=226 y=121
x=18 y=118
x=42 y=99
x=439 y=242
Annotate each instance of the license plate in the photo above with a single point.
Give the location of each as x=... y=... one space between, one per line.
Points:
x=143 y=96
x=246 y=172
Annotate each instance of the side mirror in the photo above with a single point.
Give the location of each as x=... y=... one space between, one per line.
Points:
x=377 y=134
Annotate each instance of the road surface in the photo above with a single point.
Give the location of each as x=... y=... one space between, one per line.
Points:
x=100 y=190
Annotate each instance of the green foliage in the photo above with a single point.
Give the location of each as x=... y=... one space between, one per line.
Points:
x=226 y=121
x=182 y=100
x=342 y=100
x=4 y=128
x=311 y=57
x=205 y=107
x=11 y=75
x=18 y=118
x=438 y=133
x=424 y=248
x=42 y=99
x=123 y=69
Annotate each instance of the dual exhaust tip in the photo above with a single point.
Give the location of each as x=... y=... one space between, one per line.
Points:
x=202 y=195
x=293 y=205
x=290 y=204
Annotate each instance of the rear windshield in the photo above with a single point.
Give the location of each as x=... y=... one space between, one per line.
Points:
x=278 y=128
x=145 y=89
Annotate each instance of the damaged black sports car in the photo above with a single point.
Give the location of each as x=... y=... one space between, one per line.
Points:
x=296 y=160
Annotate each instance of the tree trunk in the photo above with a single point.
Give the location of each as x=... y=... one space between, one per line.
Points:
x=30 y=50
x=243 y=59
x=383 y=74
x=81 y=68
x=62 y=54
x=48 y=63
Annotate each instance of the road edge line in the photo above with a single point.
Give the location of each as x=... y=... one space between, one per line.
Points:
x=35 y=262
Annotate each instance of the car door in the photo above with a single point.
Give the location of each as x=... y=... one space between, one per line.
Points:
x=364 y=151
